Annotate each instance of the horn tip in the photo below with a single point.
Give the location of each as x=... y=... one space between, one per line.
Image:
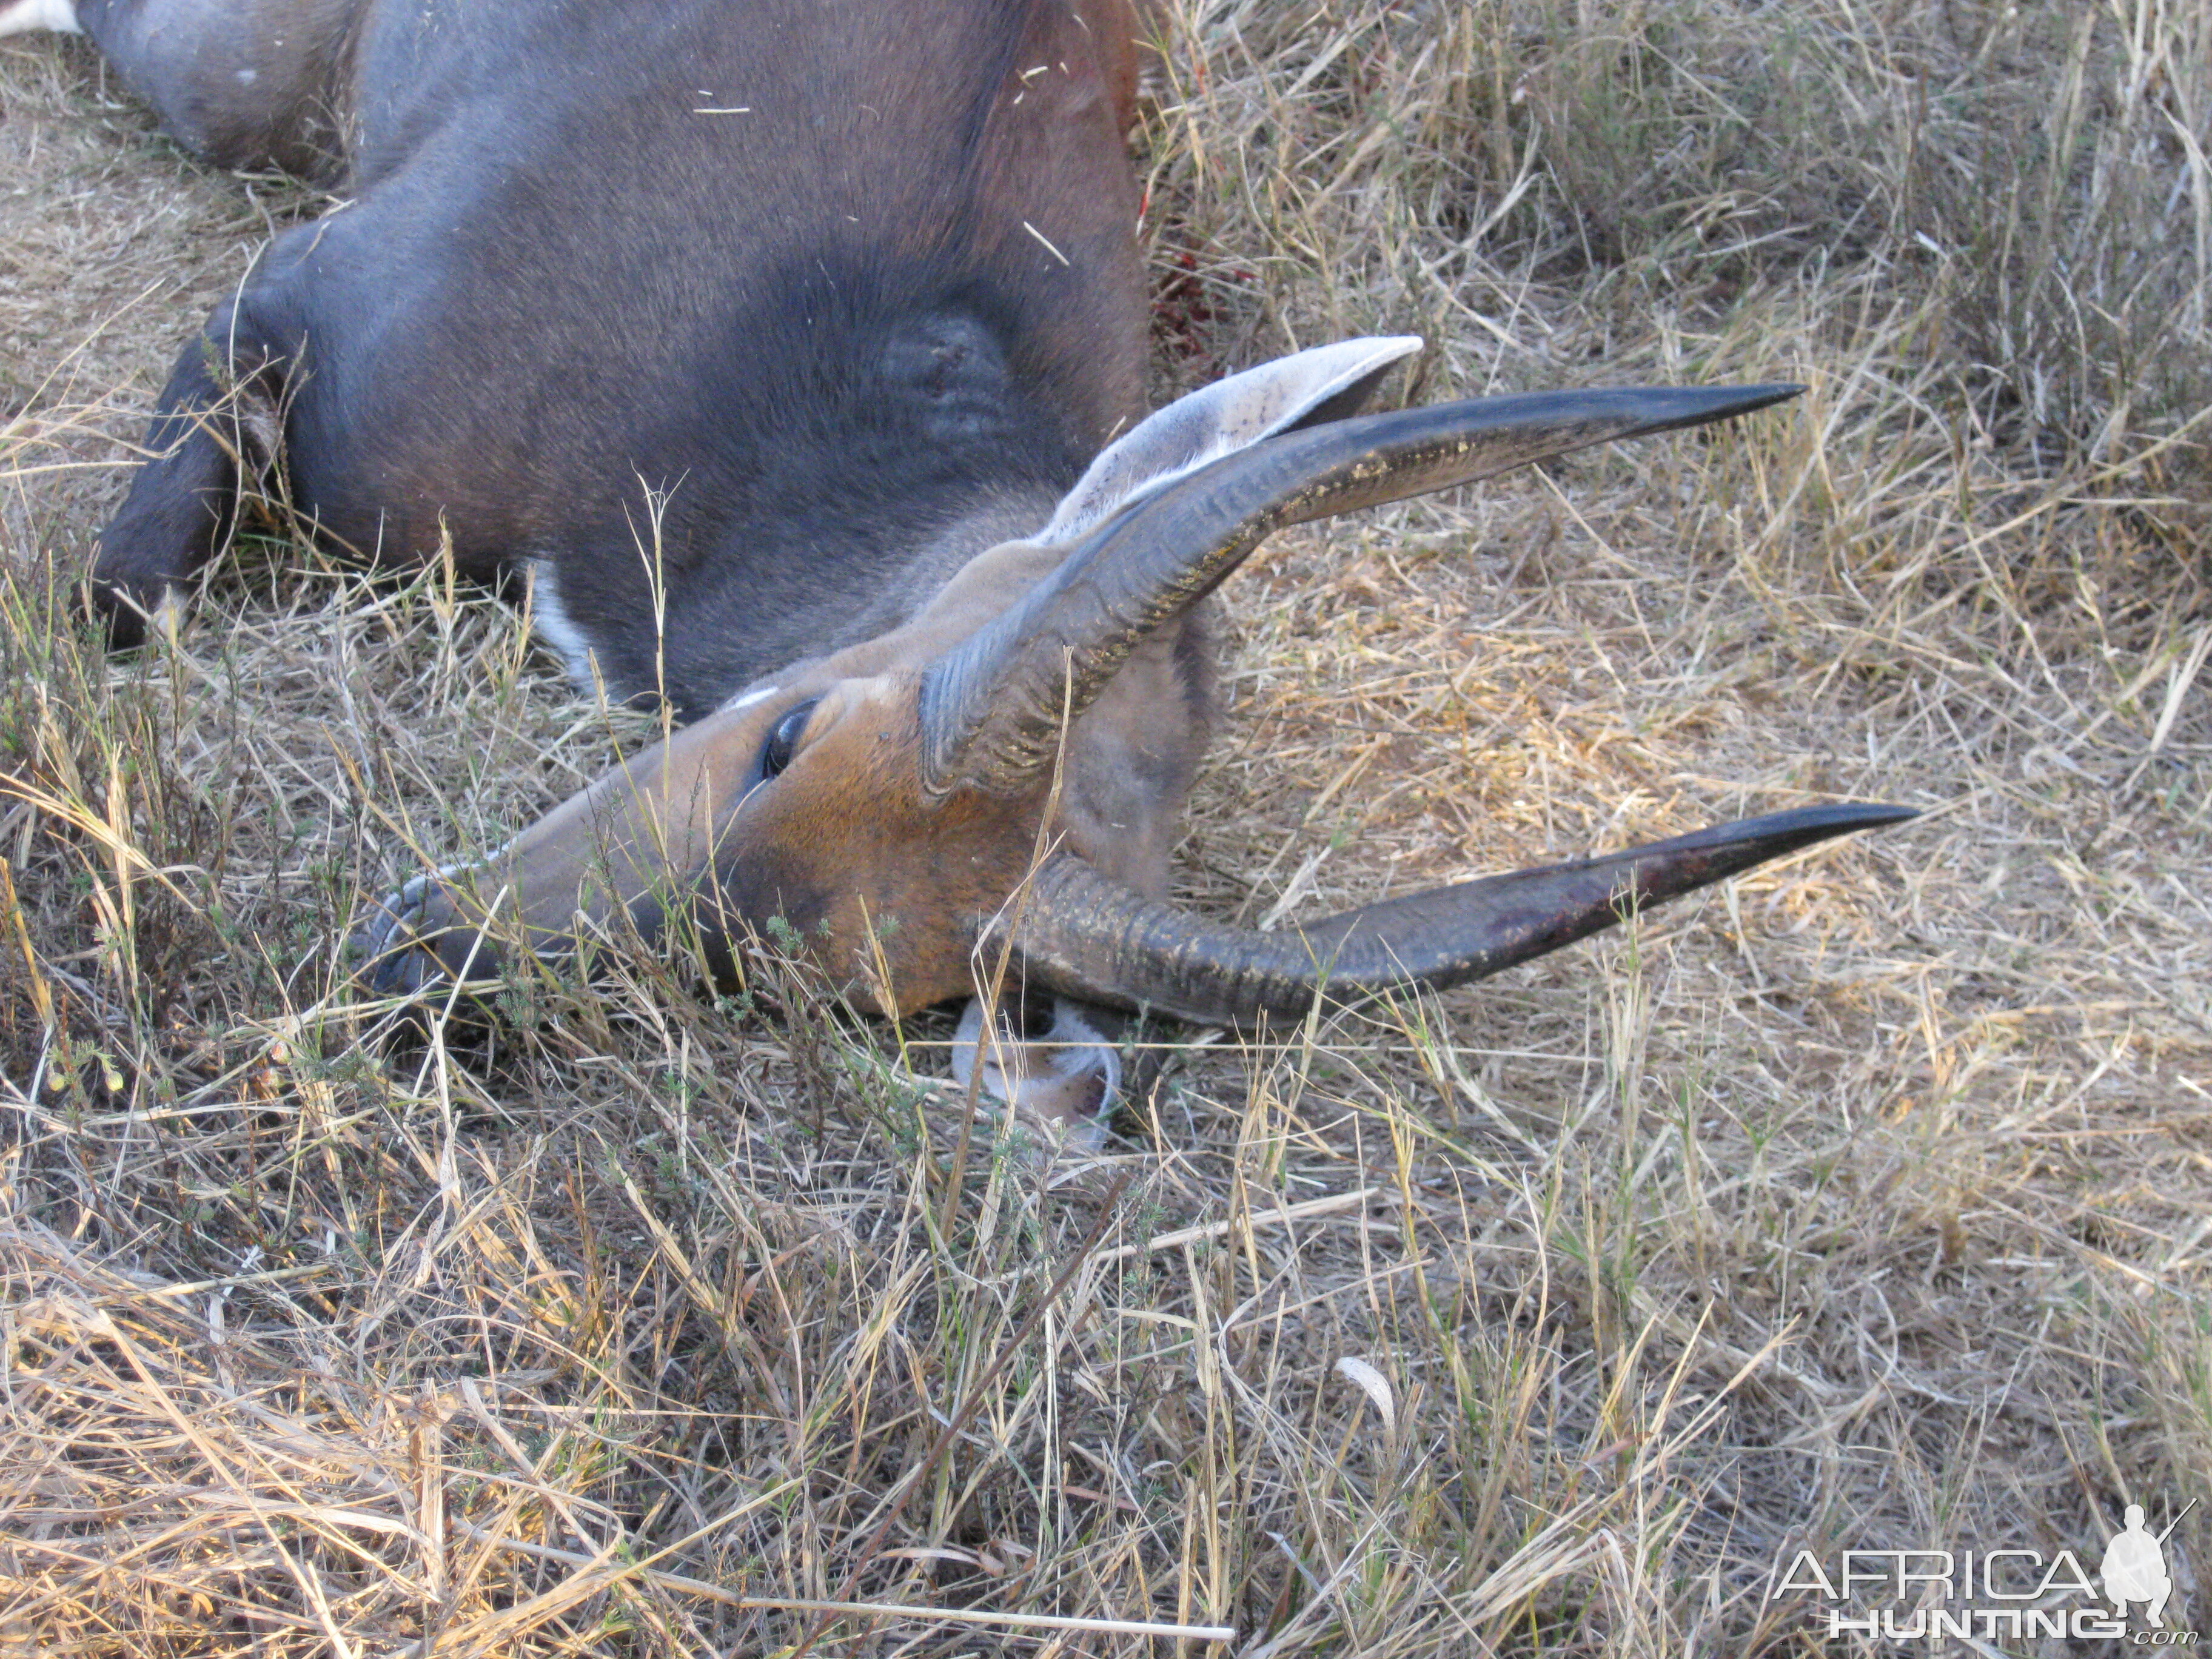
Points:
x=1775 y=392
x=1803 y=826
x=1721 y=402
x=1647 y=409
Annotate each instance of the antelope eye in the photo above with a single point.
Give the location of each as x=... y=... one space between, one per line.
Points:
x=783 y=739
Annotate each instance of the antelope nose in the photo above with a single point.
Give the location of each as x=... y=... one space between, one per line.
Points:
x=398 y=940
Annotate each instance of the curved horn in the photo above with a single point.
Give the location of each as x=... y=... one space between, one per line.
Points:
x=992 y=707
x=1086 y=936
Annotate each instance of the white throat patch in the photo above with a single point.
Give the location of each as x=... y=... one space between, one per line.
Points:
x=556 y=627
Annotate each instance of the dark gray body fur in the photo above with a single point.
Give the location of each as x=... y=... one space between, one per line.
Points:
x=752 y=385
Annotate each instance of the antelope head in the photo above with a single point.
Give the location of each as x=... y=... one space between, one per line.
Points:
x=998 y=778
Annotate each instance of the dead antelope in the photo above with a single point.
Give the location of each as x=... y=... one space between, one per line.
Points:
x=796 y=349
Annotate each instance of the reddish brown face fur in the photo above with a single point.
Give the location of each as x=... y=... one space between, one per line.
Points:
x=884 y=886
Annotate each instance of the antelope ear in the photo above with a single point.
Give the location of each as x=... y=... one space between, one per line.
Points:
x=1325 y=384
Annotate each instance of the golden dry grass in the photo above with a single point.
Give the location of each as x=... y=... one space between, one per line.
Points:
x=1867 y=1202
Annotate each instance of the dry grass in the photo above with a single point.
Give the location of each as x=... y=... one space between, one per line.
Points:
x=1867 y=1202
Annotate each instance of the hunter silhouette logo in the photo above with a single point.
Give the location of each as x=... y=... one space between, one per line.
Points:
x=2134 y=1568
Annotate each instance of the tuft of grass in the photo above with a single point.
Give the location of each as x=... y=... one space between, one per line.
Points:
x=1859 y=1204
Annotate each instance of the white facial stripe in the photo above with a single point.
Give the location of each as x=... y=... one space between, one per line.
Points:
x=746 y=700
